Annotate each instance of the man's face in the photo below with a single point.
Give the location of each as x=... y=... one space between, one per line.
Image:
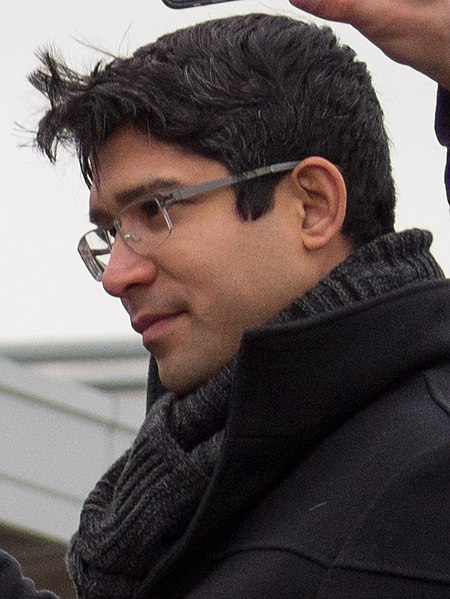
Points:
x=215 y=276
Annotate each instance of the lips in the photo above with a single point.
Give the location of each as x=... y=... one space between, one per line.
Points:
x=153 y=326
x=141 y=323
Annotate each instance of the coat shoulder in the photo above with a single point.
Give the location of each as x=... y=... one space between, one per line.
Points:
x=367 y=504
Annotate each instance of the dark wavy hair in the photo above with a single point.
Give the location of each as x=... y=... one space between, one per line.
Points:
x=247 y=91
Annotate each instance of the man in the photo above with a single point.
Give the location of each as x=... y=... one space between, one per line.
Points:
x=297 y=438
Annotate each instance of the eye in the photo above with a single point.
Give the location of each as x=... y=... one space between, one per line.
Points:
x=141 y=216
x=148 y=208
x=138 y=223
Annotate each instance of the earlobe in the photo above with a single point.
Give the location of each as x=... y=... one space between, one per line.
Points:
x=324 y=197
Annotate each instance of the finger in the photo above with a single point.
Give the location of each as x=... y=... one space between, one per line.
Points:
x=333 y=10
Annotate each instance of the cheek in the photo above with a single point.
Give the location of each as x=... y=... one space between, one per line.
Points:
x=219 y=292
x=236 y=276
x=233 y=296
x=250 y=290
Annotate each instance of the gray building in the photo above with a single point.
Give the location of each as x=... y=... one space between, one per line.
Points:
x=67 y=411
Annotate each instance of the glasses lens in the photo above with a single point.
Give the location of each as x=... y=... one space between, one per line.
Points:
x=94 y=249
x=144 y=225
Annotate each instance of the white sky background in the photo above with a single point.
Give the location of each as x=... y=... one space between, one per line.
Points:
x=46 y=292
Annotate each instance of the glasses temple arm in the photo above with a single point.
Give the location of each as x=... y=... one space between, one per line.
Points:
x=192 y=190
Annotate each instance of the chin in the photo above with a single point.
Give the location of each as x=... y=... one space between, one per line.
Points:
x=178 y=384
x=187 y=375
x=181 y=380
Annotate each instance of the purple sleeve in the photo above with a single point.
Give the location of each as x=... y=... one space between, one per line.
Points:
x=443 y=130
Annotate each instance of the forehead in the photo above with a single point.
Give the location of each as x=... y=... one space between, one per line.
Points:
x=131 y=161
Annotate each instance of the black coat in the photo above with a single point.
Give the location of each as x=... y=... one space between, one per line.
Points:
x=334 y=479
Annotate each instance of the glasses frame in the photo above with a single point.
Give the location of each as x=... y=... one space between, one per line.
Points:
x=89 y=255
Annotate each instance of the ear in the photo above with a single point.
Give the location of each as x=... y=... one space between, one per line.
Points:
x=322 y=189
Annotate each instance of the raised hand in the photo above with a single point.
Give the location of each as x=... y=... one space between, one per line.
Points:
x=413 y=32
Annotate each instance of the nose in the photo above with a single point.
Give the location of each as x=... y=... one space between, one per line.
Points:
x=126 y=269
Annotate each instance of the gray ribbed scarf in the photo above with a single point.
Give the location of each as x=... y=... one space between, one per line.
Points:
x=144 y=503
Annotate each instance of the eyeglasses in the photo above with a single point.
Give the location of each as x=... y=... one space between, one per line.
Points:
x=144 y=225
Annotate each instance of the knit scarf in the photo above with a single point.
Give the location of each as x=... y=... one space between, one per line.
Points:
x=143 y=504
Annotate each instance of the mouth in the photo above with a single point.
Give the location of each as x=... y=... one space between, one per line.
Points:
x=153 y=327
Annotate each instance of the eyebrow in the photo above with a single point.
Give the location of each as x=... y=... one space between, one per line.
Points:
x=133 y=194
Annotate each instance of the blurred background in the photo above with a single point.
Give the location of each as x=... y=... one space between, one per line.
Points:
x=72 y=373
